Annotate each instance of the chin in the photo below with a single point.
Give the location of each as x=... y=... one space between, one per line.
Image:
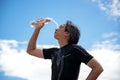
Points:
x=55 y=37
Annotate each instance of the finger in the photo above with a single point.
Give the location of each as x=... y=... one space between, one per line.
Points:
x=40 y=19
x=48 y=20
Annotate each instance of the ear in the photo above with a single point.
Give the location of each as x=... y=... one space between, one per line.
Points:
x=67 y=34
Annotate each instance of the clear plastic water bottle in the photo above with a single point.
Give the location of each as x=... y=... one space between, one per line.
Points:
x=35 y=23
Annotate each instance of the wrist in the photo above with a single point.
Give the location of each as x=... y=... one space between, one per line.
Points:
x=39 y=27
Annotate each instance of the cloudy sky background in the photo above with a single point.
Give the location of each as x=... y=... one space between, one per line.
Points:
x=98 y=21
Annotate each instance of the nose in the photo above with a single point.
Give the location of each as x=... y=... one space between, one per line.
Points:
x=56 y=29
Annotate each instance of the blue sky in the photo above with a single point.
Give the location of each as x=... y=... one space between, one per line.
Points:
x=16 y=16
x=96 y=19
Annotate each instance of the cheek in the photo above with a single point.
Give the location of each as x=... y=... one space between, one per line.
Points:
x=58 y=34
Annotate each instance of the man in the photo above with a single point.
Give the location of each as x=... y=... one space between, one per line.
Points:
x=67 y=59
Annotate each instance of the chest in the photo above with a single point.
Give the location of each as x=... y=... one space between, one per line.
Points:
x=65 y=59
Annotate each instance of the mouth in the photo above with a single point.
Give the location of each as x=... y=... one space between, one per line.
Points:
x=55 y=31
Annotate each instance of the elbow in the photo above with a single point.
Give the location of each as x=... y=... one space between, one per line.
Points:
x=28 y=51
x=101 y=69
x=98 y=69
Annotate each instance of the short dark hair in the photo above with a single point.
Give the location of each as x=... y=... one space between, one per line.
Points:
x=74 y=32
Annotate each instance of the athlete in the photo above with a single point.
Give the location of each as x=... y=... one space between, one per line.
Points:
x=66 y=59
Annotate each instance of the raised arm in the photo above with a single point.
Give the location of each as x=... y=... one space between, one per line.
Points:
x=96 y=69
x=32 y=49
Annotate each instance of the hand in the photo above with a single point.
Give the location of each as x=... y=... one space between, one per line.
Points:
x=40 y=22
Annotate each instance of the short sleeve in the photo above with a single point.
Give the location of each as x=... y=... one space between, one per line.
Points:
x=82 y=54
x=48 y=53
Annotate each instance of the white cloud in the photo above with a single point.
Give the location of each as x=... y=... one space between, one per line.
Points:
x=112 y=34
x=107 y=52
x=110 y=7
x=109 y=56
x=107 y=44
x=18 y=63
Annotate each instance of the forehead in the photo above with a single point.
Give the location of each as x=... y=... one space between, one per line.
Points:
x=62 y=26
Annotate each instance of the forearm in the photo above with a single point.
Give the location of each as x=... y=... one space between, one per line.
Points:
x=33 y=40
x=96 y=67
x=93 y=75
x=31 y=49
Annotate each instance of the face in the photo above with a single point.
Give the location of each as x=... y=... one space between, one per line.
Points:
x=60 y=33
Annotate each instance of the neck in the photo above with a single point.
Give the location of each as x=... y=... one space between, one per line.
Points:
x=63 y=43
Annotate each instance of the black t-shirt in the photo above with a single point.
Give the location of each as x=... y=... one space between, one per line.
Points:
x=66 y=61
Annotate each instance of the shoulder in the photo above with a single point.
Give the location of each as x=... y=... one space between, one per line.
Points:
x=51 y=49
x=49 y=52
x=77 y=47
x=82 y=54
